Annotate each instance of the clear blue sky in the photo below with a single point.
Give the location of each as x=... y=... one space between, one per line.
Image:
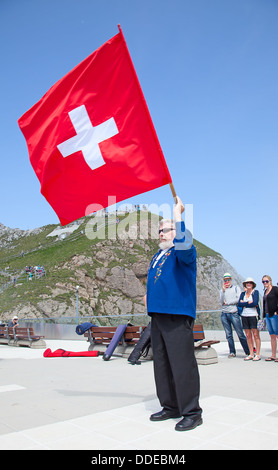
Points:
x=209 y=73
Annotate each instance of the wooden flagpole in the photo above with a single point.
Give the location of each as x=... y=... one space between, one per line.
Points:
x=173 y=192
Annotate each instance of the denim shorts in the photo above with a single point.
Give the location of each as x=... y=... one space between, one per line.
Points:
x=272 y=324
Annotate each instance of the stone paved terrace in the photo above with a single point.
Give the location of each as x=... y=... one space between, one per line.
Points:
x=87 y=403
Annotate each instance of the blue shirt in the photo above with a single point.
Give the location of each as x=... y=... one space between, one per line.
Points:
x=171 y=284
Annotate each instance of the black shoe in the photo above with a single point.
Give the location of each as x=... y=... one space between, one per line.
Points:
x=164 y=414
x=188 y=423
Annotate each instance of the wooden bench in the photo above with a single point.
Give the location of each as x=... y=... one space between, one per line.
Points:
x=204 y=353
x=20 y=336
x=100 y=337
x=199 y=337
x=5 y=337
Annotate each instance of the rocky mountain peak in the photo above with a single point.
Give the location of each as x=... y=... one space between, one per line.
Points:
x=111 y=272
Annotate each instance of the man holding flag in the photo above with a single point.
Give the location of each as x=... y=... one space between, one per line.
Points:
x=90 y=137
x=171 y=303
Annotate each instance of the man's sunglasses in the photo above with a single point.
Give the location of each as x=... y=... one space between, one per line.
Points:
x=165 y=230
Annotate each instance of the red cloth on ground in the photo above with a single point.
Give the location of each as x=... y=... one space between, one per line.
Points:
x=64 y=353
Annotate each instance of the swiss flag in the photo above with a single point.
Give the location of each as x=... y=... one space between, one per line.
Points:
x=91 y=135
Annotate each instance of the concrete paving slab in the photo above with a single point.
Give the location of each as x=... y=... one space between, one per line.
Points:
x=87 y=403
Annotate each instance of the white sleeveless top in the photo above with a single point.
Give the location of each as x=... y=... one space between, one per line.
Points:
x=249 y=312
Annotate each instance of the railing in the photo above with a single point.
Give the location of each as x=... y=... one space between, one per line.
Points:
x=64 y=327
x=22 y=277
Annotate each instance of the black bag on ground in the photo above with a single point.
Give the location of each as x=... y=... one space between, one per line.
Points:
x=141 y=349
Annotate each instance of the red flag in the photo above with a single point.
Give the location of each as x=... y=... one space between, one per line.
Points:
x=91 y=135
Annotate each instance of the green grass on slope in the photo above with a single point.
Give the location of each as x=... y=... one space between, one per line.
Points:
x=53 y=255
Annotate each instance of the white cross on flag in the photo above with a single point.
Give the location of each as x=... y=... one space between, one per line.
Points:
x=91 y=135
x=87 y=137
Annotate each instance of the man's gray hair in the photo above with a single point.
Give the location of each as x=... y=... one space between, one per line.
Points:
x=167 y=222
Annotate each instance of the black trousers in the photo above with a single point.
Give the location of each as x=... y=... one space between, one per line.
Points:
x=175 y=367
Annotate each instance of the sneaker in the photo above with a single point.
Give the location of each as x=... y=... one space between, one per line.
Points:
x=231 y=355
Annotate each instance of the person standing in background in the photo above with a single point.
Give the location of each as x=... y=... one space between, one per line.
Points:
x=229 y=297
x=270 y=313
x=249 y=302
